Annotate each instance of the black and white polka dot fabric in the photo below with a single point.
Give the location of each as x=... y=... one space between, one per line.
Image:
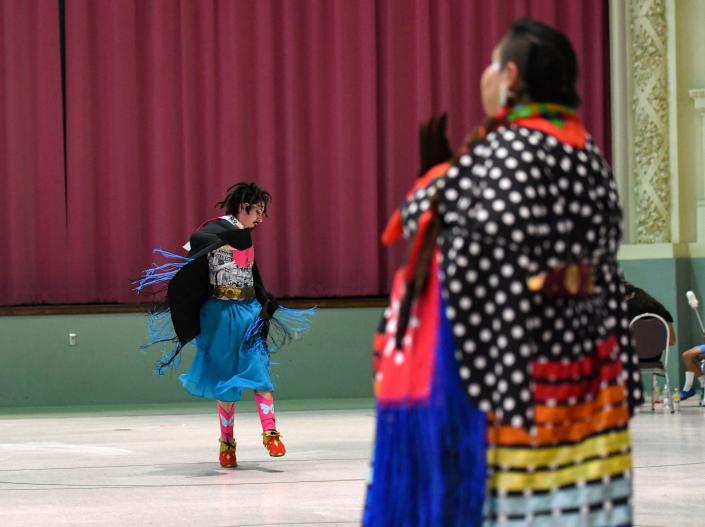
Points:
x=521 y=203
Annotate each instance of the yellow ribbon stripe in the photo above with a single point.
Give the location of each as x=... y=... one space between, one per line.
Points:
x=541 y=457
x=550 y=479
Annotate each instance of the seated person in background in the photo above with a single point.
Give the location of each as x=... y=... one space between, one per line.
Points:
x=691 y=359
x=639 y=302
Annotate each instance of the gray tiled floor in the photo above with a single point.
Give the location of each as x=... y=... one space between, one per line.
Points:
x=121 y=469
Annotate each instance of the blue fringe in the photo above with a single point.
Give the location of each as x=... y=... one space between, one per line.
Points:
x=270 y=335
x=160 y=274
x=429 y=462
x=171 y=359
x=160 y=332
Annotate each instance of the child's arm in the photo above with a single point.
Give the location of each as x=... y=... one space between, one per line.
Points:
x=269 y=303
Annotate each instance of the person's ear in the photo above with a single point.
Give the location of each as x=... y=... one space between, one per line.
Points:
x=511 y=76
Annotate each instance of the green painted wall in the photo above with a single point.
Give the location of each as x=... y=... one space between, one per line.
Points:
x=39 y=368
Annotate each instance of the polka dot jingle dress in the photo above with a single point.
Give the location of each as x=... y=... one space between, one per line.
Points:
x=532 y=293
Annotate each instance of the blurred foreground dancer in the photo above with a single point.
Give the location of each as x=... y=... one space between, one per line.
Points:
x=505 y=377
x=216 y=295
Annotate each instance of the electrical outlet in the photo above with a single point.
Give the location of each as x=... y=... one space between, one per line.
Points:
x=73 y=339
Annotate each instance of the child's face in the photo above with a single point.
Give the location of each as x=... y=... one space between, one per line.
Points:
x=251 y=219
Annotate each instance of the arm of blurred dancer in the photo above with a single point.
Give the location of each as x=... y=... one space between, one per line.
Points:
x=609 y=280
x=406 y=219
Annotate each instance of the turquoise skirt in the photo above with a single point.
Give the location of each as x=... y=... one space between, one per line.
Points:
x=222 y=367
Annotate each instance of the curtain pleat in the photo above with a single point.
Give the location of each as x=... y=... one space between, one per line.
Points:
x=32 y=185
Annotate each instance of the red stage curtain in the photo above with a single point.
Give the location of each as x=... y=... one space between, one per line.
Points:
x=170 y=102
x=32 y=205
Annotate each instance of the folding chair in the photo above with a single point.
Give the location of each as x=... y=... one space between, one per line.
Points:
x=651 y=336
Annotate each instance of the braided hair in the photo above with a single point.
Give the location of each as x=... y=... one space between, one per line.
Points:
x=247 y=194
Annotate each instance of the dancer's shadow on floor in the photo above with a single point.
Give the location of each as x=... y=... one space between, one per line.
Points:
x=208 y=469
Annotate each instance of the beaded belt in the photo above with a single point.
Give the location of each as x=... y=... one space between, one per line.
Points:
x=572 y=280
x=224 y=292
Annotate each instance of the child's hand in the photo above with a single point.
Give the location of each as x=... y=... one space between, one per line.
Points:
x=268 y=309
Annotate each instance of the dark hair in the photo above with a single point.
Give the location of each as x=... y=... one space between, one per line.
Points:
x=248 y=194
x=546 y=62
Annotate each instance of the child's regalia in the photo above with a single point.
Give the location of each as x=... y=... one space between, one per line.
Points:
x=216 y=296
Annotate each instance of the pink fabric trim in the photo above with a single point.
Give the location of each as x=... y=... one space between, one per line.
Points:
x=244 y=259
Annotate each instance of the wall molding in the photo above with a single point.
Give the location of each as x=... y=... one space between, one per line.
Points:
x=698 y=96
x=650 y=112
x=661 y=251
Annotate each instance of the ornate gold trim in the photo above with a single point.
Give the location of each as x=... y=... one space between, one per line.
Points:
x=650 y=162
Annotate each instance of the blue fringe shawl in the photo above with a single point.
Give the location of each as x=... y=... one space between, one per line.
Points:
x=429 y=463
x=160 y=330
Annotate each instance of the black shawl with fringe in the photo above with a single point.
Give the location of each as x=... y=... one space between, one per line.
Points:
x=190 y=287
